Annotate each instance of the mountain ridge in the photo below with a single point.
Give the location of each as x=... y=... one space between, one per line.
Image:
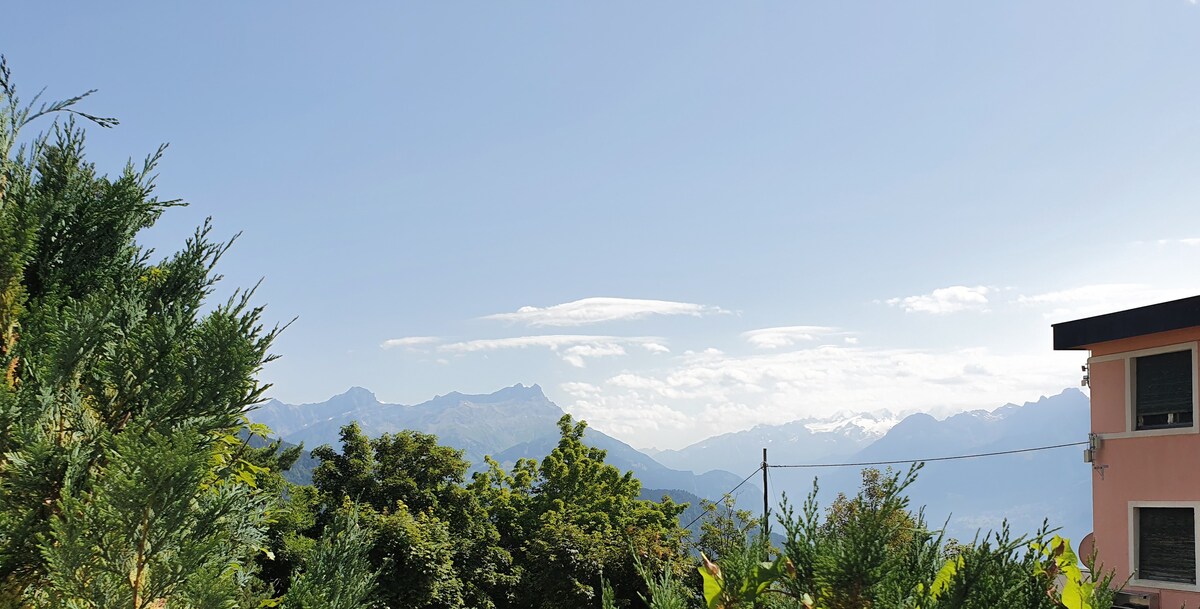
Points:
x=511 y=423
x=521 y=422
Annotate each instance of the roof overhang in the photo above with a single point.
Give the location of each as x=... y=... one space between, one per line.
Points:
x=1161 y=317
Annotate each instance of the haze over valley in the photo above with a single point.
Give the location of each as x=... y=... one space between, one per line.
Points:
x=974 y=494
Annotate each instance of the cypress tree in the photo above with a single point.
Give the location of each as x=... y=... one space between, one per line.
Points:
x=122 y=477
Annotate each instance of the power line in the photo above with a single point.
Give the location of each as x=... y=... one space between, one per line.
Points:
x=929 y=459
x=730 y=492
x=894 y=462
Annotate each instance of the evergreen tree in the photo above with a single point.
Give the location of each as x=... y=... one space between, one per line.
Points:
x=337 y=574
x=434 y=543
x=573 y=518
x=121 y=478
x=153 y=527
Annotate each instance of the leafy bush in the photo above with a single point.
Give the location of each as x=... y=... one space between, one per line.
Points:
x=870 y=551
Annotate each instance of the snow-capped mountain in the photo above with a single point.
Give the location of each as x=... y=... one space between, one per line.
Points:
x=978 y=493
x=864 y=426
x=972 y=493
x=806 y=440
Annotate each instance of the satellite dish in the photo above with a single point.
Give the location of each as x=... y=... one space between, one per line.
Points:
x=1087 y=546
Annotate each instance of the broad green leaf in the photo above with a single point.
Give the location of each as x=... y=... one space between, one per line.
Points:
x=1073 y=596
x=712 y=589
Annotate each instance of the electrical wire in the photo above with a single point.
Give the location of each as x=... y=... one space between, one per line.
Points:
x=893 y=462
x=730 y=492
x=929 y=459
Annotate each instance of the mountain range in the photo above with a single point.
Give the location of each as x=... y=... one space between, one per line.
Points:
x=970 y=494
x=965 y=494
x=810 y=440
x=509 y=424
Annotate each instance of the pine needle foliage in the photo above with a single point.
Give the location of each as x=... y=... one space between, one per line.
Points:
x=149 y=527
x=122 y=482
x=433 y=542
x=338 y=573
x=571 y=518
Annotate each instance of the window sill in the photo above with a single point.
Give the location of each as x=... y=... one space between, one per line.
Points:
x=1156 y=585
x=1149 y=433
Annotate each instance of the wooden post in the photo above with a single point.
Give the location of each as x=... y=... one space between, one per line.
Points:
x=764 y=530
x=766 y=504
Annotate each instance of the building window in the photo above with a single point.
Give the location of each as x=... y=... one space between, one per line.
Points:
x=1162 y=390
x=1166 y=550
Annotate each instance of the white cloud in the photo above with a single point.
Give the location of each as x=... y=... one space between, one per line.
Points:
x=1087 y=293
x=574 y=349
x=721 y=393
x=952 y=299
x=785 y=336
x=579 y=389
x=672 y=388
x=1096 y=299
x=574 y=355
x=1188 y=241
x=598 y=310
x=615 y=416
x=409 y=341
x=655 y=348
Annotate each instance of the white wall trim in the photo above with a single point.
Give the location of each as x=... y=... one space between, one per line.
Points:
x=1134 y=580
x=1127 y=357
x=1112 y=357
x=1148 y=433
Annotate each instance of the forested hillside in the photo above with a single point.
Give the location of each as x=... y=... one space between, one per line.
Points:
x=130 y=476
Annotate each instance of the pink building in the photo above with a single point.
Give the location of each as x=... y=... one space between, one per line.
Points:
x=1145 y=453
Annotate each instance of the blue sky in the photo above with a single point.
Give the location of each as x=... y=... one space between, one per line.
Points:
x=720 y=214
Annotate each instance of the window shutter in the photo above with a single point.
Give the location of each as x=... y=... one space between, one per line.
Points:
x=1167 y=545
x=1163 y=383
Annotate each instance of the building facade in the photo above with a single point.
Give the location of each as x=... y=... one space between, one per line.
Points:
x=1145 y=444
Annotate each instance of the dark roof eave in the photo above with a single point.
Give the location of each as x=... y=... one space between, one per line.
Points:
x=1161 y=317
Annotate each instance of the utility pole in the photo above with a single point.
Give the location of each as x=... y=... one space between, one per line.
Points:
x=766 y=504
x=765 y=527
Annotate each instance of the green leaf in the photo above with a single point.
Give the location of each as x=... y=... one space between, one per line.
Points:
x=714 y=584
x=1073 y=596
x=246 y=478
x=944 y=577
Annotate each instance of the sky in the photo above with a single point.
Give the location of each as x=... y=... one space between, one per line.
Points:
x=679 y=219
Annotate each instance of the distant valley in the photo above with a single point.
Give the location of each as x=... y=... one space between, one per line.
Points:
x=973 y=494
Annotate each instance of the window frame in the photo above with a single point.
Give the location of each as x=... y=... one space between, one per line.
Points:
x=1134 y=537
x=1127 y=358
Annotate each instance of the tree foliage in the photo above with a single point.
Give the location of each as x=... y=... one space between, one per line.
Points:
x=338 y=574
x=571 y=519
x=433 y=541
x=870 y=551
x=119 y=482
